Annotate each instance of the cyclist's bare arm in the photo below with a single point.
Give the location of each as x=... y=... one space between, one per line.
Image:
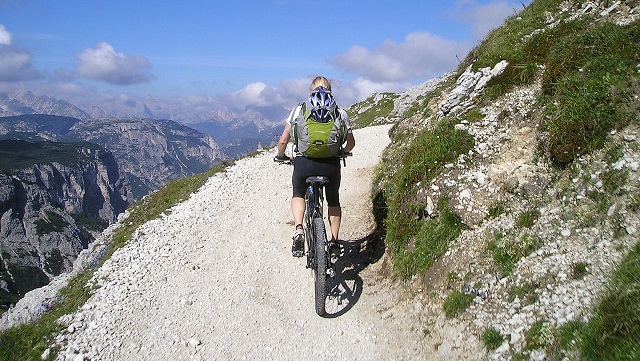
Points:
x=351 y=142
x=282 y=145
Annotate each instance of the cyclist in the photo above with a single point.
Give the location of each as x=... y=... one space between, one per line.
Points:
x=304 y=167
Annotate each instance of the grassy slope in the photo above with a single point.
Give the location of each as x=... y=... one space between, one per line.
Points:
x=589 y=79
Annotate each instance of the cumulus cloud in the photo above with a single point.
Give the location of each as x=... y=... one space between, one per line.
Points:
x=15 y=63
x=5 y=36
x=485 y=17
x=287 y=93
x=105 y=64
x=290 y=92
x=421 y=55
x=361 y=88
x=253 y=93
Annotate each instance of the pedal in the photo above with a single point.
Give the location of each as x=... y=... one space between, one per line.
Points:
x=331 y=272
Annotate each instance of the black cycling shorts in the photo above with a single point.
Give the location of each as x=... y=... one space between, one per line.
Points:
x=304 y=167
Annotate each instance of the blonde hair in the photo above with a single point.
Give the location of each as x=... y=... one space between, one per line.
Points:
x=320 y=81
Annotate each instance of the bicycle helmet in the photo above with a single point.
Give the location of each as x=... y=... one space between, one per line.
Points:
x=323 y=106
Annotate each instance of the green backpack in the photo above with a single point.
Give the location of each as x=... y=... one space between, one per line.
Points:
x=318 y=139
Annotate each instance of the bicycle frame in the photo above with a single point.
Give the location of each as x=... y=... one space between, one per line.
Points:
x=314 y=200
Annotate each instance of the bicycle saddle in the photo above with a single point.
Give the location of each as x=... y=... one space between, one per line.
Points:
x=318 y=179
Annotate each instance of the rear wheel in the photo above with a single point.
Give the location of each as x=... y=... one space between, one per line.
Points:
x=320 y=271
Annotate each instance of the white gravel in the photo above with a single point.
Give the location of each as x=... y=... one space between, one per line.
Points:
x=215 y=279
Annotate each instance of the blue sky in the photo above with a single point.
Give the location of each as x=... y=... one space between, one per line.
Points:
x=241 y=52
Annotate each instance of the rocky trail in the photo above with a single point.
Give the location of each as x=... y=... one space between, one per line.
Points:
x=215 y=279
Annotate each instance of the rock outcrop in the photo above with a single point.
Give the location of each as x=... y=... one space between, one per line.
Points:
x=50 y=211
x=150 y=152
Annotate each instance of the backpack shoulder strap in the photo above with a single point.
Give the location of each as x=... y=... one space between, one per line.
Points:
x=296 y=121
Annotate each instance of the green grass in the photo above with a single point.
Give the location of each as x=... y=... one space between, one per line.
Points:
x=579 y=270
x=431 y=242
x=540 y=335
x=456 y=303
x=588 y=70
x=634 y=202
x=507 y=250
x=497 y=209
x=589 y=76
x=423 y=160
x=587 y=86
x=28 y=341
x=526 y=293
x=613 y=333
x=492 y=339
x=374 y=110
x=474 y=115
x=527 y=219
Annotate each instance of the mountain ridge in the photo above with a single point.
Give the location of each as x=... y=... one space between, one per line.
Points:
x=245 y=130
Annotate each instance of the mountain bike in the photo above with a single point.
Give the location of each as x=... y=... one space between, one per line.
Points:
x=317 y=245
x=316 y=238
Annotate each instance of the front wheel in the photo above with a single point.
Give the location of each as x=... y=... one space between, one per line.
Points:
x=320 y=270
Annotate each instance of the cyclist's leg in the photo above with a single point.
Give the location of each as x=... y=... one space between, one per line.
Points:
x=298 y=180
x=297 y=209
x=300 y=174
x=335 y=217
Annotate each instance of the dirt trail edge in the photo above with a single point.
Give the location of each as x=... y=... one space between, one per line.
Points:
x=215 y=279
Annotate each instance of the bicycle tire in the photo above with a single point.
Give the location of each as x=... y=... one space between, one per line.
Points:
x=320 y=270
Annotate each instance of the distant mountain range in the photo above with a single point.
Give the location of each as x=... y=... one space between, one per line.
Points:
x=149 y=152
x=236 y=131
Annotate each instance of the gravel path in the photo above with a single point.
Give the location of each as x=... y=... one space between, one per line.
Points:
x=215 y=279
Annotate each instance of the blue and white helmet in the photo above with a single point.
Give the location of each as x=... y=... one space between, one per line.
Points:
x=323 y=106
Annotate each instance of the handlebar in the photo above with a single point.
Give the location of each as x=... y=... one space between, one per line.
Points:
x=289 y=160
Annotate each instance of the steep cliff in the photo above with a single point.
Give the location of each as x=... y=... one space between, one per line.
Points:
x=53 y=197
x=150 y=152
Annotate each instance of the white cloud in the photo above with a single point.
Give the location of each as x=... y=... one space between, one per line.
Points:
x=486 y=17
x=105 y=64
x=288 y=93
x=15 y=63
x=361 y=88
x=422 y=55
x=292 y=91
x=5 y=36
x=251 y=94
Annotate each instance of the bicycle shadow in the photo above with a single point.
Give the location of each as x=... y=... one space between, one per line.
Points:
x=345 y=288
